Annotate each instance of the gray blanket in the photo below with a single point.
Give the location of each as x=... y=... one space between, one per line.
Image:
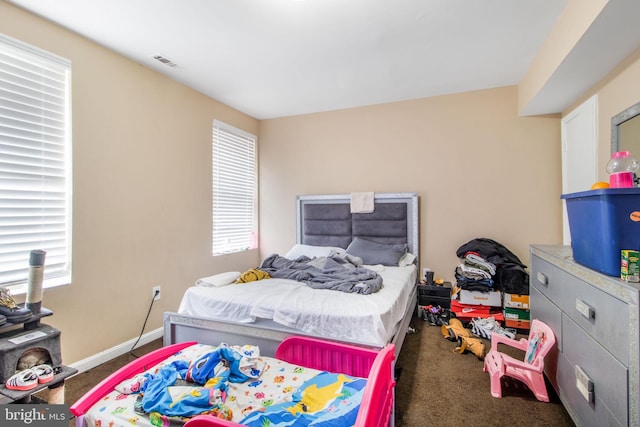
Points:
x=334 y=272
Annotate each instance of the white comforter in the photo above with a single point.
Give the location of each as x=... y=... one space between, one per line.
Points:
x=365 y=319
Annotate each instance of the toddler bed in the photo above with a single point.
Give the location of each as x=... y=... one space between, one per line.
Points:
x=267 y=311
x=309 y=382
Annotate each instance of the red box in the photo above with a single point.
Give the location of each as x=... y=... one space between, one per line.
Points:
x=470 y=311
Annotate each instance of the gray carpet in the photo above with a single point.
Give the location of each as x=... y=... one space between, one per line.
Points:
x=436 y=387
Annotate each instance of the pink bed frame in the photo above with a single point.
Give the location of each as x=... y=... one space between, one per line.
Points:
x=377 y=366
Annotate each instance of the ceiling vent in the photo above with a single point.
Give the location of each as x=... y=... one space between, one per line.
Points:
x=165 y=61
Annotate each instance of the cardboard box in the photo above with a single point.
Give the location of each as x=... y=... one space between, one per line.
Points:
x=518 y=324
x=516 y=301
x=466 y=312
x=471 y=309
x=517 y=318
x=517 y=314
x=492 y=299
x=630 y=265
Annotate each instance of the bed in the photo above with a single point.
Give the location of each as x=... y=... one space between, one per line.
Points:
x=276 y=308
x=362 y=396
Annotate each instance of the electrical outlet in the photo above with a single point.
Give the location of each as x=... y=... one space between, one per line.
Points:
x=155 y=293
x=424 y=272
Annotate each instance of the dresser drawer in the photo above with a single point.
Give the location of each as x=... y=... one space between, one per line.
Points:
x=594 y=414
x=547 y=278
x=601 y=315
x=608 y=377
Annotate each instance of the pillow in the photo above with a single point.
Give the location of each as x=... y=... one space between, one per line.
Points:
x=407 y=259
x=221 y=279
x=312 y=251
x=377 y=253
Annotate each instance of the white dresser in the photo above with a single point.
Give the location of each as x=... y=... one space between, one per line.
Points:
x=594 y=368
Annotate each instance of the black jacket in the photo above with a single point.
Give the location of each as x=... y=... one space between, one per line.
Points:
x=511 y=275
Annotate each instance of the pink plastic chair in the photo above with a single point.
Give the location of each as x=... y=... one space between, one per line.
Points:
x=530 y=370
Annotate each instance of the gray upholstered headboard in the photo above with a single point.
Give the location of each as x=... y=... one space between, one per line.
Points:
x=326 y=220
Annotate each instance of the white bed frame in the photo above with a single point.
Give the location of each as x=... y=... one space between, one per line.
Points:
x=267 y=334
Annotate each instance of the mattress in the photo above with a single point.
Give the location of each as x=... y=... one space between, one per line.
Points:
x=356 y=318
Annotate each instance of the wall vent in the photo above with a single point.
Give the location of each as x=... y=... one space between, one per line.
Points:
x=165 y=61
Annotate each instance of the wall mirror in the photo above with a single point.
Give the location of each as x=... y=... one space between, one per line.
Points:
x=625 y=131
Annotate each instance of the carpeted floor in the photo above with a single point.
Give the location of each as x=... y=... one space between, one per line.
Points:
x=436 y=387
x=78 y=385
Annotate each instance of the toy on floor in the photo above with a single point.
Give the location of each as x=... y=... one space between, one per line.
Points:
x=530 y=370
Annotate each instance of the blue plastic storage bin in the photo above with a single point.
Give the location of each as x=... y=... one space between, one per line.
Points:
x=602 y=223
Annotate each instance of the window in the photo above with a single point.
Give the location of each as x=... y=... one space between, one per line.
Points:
x=35 y=163
x=234 y=189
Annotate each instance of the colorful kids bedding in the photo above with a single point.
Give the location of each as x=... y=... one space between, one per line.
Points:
x=230 y=383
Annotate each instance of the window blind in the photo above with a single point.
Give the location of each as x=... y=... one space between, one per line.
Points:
x=234 y=189
x=35 y=174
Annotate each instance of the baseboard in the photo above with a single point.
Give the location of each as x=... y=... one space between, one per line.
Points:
x=113 y=352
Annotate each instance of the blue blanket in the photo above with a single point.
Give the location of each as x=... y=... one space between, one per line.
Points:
x=163 y=394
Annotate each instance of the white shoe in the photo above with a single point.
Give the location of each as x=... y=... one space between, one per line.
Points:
x=23 y=380
x=485 y=327
x=44 y=373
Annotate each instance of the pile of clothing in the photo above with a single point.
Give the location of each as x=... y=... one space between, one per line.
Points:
x=487 y=265
x=475 y=273
x=185 y=388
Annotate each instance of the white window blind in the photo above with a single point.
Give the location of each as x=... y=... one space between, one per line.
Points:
x=35 y=173
x=234 y=189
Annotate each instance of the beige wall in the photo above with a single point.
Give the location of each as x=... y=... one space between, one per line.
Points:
x=571 y=25
x=142 y=191
x=616 y=92
x=142 y=177
x=479 y=169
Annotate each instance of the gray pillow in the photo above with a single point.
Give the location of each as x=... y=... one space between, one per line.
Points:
x=373 y=253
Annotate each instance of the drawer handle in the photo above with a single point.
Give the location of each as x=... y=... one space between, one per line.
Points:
x=585 y=309
x=542 y=278
x=584 y=385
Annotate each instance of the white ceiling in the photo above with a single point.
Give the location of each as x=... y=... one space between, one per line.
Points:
x=275 y=58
